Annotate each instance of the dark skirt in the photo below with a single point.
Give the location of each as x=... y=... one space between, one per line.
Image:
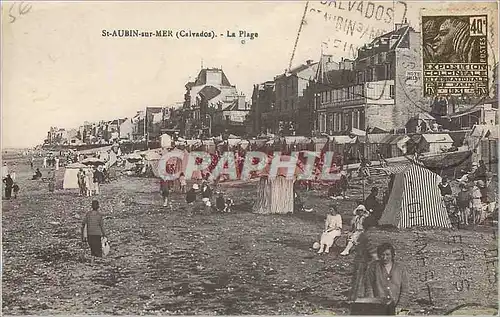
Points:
x=95 y=245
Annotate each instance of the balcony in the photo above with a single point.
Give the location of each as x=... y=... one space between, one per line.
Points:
x=344 y=103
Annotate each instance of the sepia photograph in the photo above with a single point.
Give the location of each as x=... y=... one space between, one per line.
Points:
x=249 y=158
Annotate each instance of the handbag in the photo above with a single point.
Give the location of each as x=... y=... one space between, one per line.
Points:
x=105 y=246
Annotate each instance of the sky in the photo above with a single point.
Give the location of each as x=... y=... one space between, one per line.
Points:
x=58 y=69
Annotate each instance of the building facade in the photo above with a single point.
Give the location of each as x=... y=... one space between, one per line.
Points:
x=210 y=91
x=263 y=101
x=231 y=119
x=385 y=92
x=288 y=95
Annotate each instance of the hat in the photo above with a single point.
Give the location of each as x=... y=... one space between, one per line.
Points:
x=480 y=183
x=361 y=208
x=474 y=163
x=195 y=186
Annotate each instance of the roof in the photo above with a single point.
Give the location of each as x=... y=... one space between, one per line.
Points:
x=209 y=92
x=390 y=139
x=399 y=33
x=342 y=139
x=376 y=138
x=296 y=70
x=437 y=138
x=424 y=116
x=481 y=131
x=201 y=79
x=381 y=43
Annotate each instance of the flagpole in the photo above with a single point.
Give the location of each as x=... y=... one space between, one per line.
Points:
x=298 y=35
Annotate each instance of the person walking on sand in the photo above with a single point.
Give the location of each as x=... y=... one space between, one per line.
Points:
x=93 y=230
x=8 y=186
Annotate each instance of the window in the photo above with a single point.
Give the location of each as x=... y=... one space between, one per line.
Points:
x=383 y=57
x=322 y=122
x=391 y=91
x=292 y=104
x=362 y=120
x=355 y=119
x=368 y=74
x=227 y=118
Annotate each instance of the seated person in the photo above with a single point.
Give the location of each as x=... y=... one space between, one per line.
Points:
x=357 y=228
x=37 y=174
x=333 y=229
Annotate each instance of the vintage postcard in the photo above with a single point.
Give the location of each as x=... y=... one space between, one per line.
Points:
x=249 y=158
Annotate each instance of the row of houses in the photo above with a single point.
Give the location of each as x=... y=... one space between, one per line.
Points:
x=380 y=91
x=145 y=125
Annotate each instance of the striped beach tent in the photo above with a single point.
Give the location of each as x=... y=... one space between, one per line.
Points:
x=415 y=200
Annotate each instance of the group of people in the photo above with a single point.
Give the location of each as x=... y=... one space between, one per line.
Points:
x=473 y=203
x=10 y=186
x=51 y=161
x=205 y=192
x=90 y=180
x=376 y=274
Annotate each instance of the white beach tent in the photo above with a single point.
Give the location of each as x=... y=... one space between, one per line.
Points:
x=71 y=175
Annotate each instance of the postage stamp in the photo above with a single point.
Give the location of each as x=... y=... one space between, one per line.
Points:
x=455 y=55
x=249 y=158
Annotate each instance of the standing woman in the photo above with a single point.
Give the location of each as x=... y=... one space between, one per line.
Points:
x=94 y=225
x=387 y=279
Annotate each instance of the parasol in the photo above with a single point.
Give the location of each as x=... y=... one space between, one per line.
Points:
x=93 y=161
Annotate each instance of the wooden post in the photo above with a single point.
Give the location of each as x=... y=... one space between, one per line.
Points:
x=363 y=188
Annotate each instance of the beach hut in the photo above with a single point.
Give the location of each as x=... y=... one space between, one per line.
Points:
x=275 y=193
x=415 y=200
x=166 y=141
x=435 y=143
x=394 y=145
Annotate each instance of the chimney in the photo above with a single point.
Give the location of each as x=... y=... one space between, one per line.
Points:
x=309 y=61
